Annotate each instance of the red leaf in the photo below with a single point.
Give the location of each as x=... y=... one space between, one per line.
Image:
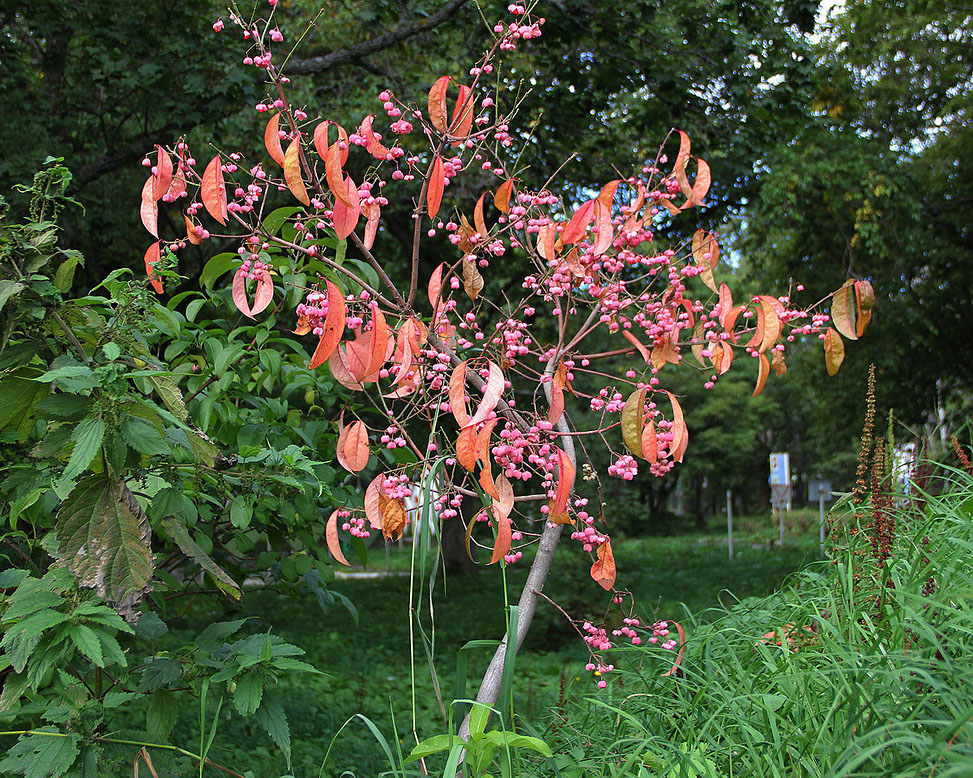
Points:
x=372 y=144
x=603 y=222
x=650 y=443
x=178 y=186
x=502 y=544
x=437 y=103
x=502 y=198
x=685 y=147
x=380 y=342
x=434 y=190
x=603 y=569
x=321 y=142
x=702 y=184
x=558 y=509
x=372 y=509
x=478 y=221
x=771 y=322
x=263 y=295
x=462 y=115
x=435 y=287
x=163 y=174
x=272 y=140
x=577 y=227
x=149 y=210
x=340 y=372
x=331 y=537
x=152 y=255
x=356 y=447
x=344 y=217
x=373 y=212
x=726 y=303
x=239 y=293
x=334 y=327
x=491 y=394
x=292 y=172
x=213 y=190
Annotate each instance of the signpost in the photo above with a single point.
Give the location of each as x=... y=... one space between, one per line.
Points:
x=819 y=490
x=780 y=486
x=729 y=520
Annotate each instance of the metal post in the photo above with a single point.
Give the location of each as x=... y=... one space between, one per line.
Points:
x=780 y=516
x=729 y=521
x=821 y=517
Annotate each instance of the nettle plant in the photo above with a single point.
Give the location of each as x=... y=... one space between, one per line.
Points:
x=496 y=397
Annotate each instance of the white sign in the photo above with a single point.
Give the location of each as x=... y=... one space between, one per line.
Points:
x=780 y=469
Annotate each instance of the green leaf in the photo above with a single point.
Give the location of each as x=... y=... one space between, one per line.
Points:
x=217 y=266
x=116 y=699
x=150 y=625
x=215 y=634
x=71 y=378
x=86 y=640
x=170 y=394
x=240 y=513
x=30 y=600
x=158 y=673
x=42 y=755
x=17 y=397
x=87 y=437
x=104 y=538
x=433 y=745
x=479 y=715
x=248 y=693
x=270 y=716
x=180 y=535
x=12 y=577
x=64 y=277
x=160 y=717
x=8 y=289
x=142 y=435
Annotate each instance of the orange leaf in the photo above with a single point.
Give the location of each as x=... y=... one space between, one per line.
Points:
x=638 y=345
x=762 y=374
x=334 y=327
x=505 y=496
x=603 y=223
x=772 y=325
x=502 y=544
x=356 y=447
x=843 y=307
x=558 y=509
x=434 y=190
x=340 y=372
x=457 y=394
x=726 y=303
x=437 y=103
x=478 y=220
x=865 y=302
x=486 y=480
x=335 y=177
x=502 y=198
x=292 y=172
x=472 y=279
x=482 y=447
x=466 y=447
x=149 y=210
x=331 y=537
x=680 y=439
x=192 y=231
x=272 y=140
x=685 y=147
x=603 y=569
x=321 y=143
x=558 y=382
x=380 y=341
x=650 y=443
x=213 y=190
x=152 y=255
x=372 y=143
x=394 y=517
x=834 y=351
x=435 y=287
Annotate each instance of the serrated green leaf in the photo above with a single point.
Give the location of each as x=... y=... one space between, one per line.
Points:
x=18 y=397
x=104 y=538
x=45 y=753
x=142 y=435
x=158 y=673
x=71 y=378
x=215 y=634
x=248 y=693
x=23 y=604
x=87 y=642
x=64 y=277
x=8 y=289
x=116 y=699
x=12 y=577
x=87 y=437
x=150 y=625
x=63 y=406
x=270 y=716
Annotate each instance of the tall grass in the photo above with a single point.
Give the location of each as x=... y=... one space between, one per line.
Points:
x=876 y=679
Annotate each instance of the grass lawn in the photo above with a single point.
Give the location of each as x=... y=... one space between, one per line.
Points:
x=369 y=663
